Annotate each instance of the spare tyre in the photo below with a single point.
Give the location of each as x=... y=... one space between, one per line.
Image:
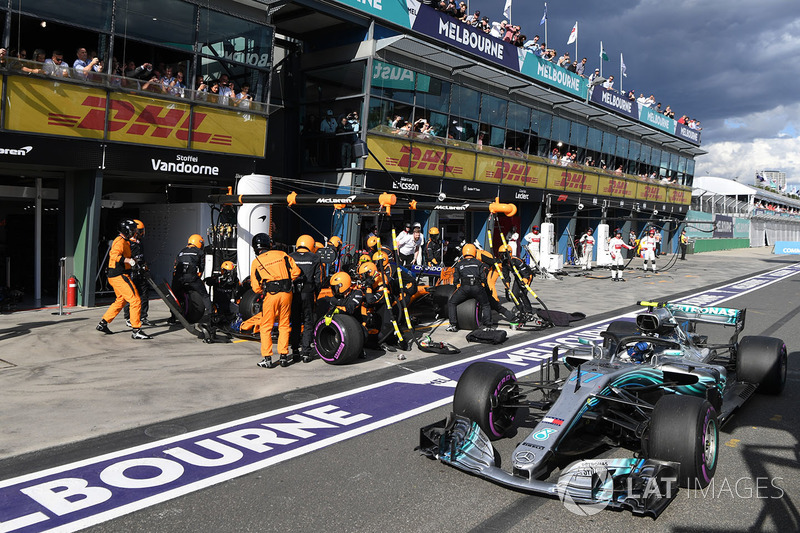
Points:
x=339 y=342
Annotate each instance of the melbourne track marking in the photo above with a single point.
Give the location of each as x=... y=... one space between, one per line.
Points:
x=88 y=492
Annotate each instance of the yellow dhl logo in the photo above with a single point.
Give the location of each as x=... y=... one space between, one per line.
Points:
x=427 y=160
x=512 y=172
x=677 y=197
x=153 y=121
x=617 y=187
x=651 y=193
x=573 y=182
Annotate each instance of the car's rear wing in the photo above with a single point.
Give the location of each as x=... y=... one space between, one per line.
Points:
x=726 y=316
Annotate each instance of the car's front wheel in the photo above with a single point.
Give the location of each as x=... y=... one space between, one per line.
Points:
x=483 y=395
x=685 y=430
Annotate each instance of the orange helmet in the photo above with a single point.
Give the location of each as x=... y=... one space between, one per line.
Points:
x=503 y=249
x=372 y=242
x=227 y=265
x=364 y=259
x=139 y=227
x=317 y=246
x=368 y=269
x=341 y=282
x=196 y=241
x=335 y=241
x=379 y=256
x=433 y=231
x=469 y=250
x=305 y=241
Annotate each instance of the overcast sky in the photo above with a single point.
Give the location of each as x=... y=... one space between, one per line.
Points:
x=733 y=64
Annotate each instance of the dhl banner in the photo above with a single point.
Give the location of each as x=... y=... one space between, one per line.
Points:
x=513 y=172
x=389 y=152
x=537 y=175
x=460 y=164
x=489 y=168
x=570 y=179
x=44 y=106
x=650 y=192
x=616 y=187
x=422 y=159
x=679 y=196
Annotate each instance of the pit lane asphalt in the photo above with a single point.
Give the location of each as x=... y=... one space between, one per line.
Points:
x=377 y=482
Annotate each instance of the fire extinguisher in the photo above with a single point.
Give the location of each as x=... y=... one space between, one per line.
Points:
x=72 y=291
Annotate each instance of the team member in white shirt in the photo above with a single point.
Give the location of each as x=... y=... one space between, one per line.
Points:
x=587 y=248
x=615 y=247
x=649 y=249
x=534 y=240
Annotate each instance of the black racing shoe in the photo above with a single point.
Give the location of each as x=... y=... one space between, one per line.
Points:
x=103 y=326
x=286 y=360
x=267 y=363
x=387 y=347
x=139 y=334
x=308 y=357
x=452 y=328
x=146 y=322
x=172 y=321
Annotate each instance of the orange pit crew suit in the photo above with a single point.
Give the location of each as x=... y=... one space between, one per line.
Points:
x=272 y=274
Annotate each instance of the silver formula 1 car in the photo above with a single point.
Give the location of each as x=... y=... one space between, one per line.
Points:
x=655 y=387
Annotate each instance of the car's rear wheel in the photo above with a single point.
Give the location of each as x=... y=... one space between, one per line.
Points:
x=468 y=314
x=762 y=360
x=483 y=394
x=685 y=430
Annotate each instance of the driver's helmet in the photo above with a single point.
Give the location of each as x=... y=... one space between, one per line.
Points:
x=639 y=351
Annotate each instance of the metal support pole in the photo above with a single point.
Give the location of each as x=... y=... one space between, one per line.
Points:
x=37 y=261
x=62 y=284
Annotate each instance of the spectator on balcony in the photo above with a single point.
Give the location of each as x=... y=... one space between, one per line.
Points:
x=82 y=66
x=564 y=60
x=594 y=75
x=581 y=68
x=658 y=108
x=632 y=95
x=200 y=88
x=486 y=26
x=244 y=98
x=549 y=55
x=532 y=45
x=213 y=91
x=441 y=6
x=452 y=8
x=178 y=85
x=474 y=20
x=345 y=136
x=642 y=101
x=461 y=12
x=609 y=83
x=226 y=91
x=142 y=73
x=328 y=125
x=511 y=33
x=167 y=79
x=573 y=67
x=55 y=66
